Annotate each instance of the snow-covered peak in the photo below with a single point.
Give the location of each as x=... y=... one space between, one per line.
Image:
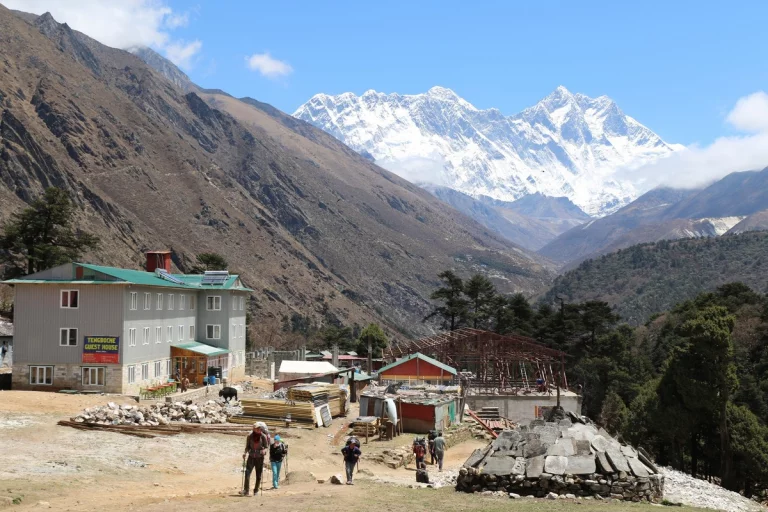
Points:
x=568 y=144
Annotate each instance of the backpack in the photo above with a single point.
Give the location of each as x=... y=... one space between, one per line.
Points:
x=355 y=441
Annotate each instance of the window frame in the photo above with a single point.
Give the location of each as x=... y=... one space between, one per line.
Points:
x=192 y=302
x=132 y=337
x=132 y=374
x=145 y=336
x=214 y=297
x=159 y=301
x=170 y=302
x=158 y=369
x=68 y=329
x=242 y=303
x=69 y=292
x=134 y=304
x=192 y=332
x=234 y=302
x=213 y=332
x=170 y=333
x=182 y=301
x=158 y=334
x=88 y=370
x=167 y=367
x=147 y=301
x=35 y=370
x=181 y=333
x=144 y=366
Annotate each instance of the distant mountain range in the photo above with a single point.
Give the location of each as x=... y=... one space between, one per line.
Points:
x=734 y=204
x=566 y=145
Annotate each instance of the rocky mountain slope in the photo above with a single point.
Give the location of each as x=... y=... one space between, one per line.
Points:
x=666 y=214
x=650 y=278
x=315 y=229
x=565 y=145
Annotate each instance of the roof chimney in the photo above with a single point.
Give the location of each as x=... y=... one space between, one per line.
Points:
x=159 y=259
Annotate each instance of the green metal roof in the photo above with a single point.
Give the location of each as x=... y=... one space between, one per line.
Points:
x=139 y=277
x=421 y=356
x=202 y=348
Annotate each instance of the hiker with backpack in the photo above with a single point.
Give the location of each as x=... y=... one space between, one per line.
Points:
x=351 y=453
x=277 y=452
x=420 y=451
x=440 y=450
x=255 y=449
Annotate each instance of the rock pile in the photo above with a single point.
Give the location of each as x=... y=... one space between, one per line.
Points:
x=159 y=414
x=542 y=459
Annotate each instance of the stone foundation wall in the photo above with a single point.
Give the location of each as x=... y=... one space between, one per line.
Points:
x=620 y=486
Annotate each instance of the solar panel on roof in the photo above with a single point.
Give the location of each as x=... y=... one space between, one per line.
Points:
x=162 y=274
x=215 y=277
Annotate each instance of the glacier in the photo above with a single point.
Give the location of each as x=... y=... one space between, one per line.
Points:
x=566 y=145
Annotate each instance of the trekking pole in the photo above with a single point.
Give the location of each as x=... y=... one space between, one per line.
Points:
x=242 y=485
x=262 y=478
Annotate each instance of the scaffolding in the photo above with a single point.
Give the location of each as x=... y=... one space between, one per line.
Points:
x=491 y=363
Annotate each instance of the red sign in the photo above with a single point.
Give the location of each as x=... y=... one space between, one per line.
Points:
x=101 y=349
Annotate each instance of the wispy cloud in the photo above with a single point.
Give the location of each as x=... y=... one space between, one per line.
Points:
x=697 y=166
x=123 y=24
x=268 y=66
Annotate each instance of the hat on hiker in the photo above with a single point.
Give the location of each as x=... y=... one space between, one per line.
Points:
x=256 y=425
x=277 y=438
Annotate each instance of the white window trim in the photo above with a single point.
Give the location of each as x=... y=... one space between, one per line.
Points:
x=147 y=301
x=214 y=297
x=170 y=302
x=131 y=374
x=132 y=337
x=192 y=302
x=134 y=301
x=69 y=299
x=35 y=370
x=145 y=336
x=192 y=332
x=170 y=333
x=181 y=333
x=87 y=369
x=242 y=303
x=158 y=369
x=159 y=301
x=158 y=334
x=167 y=367
x=234 y=303
x=214 y=337
x=182 y=301
x=68 y=329
x=143 y=366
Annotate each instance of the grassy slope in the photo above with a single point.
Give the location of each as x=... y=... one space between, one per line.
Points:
x=649 y=278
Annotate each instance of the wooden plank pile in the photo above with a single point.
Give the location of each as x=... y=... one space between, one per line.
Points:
x=365 y=426
x=320 y=393
x=147 y=431
x=276 y=413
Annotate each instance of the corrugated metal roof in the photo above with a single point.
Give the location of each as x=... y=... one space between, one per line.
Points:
x=202 y=348
x=124 y=275
x=421 y=356
x=312 y=367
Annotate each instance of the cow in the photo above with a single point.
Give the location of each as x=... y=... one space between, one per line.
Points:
x=228 y=393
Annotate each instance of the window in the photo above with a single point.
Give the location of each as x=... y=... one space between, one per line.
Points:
x=170 y=301
x=158 y=368
x=192 y=332
x=67 y=337
x=213 y=303
x=145 y=337
x=131 y=337
x=192 y=301
x=234 y=303
x=233 y=332
x=167 y=366
x=144 y=371
x=93 y=376
x=182 y=302
x=202 y=367
x=147 y=301
x=134 y=301
x=41 y=375
x=70 y=299
x=242 y=303
x=181 y=333
x=242 y=330
x=170 y=333
x=131 y=374
x=159 y=301
x=158 y=334
x=213 y=332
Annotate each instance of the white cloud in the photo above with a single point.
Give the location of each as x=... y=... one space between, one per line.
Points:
x=181 y=53
x=750 y=113
x=698 y=166
x=417 y=169
x=122 y=24
x=268 y=66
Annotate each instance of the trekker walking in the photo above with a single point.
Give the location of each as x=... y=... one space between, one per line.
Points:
x=351 y=455
x=255 y=449
x=431 y=440
x=419 y=450
x=277 y=452
x=440 y=450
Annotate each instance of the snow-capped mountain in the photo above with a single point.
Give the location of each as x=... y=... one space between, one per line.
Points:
x=565 y=145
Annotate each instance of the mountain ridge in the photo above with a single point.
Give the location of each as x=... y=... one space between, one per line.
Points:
x=565 y=145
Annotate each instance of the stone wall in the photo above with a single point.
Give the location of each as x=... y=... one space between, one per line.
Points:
x=522 y=408
x=206 y=392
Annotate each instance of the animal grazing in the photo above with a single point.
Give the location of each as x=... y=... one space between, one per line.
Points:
x=228 y=393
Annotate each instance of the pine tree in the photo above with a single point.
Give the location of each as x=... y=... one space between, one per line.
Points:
x=481 y=294
x=454 y=309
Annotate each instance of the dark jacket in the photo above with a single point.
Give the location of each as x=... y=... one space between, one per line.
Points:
x=276 y=453
x=256 y=447
x=351 y=453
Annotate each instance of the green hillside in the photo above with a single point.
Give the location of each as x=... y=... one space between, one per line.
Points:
x=650 y=278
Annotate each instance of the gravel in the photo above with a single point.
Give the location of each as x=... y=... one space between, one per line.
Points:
x=682 y=488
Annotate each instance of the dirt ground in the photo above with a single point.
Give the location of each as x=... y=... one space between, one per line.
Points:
x=47 y=466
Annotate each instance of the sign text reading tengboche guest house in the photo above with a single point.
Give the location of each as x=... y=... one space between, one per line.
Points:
x=101 y=349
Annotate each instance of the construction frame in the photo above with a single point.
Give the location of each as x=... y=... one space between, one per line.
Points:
x=498 y=363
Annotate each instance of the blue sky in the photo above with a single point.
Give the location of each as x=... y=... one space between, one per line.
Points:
x=678 y=67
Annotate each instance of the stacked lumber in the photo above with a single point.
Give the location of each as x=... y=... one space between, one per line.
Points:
x=489 y=413
x=365 y=426
x=318 y=395
x=337 y=397
x=276 y=412
x=148 y=431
